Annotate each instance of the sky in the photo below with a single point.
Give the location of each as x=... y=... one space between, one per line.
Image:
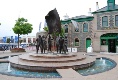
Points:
x=36 y=10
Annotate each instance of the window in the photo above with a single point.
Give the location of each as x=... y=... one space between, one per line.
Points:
x=110 y=6
x=116 y=20
x=76 y=29
x=105 y=21
x=103 y=42
x=34 y=40
x=29 y=40
x=85 y=27
x=76 y=42
x=24 y=39
x=66 y=28
x=116 y=41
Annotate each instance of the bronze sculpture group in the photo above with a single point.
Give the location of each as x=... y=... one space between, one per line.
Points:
x=61 y=44
x=54 y=26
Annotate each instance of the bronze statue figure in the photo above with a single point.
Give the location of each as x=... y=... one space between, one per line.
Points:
x=57 y=44
x=65 y=43
x=49 y=43
x=38 y=43
x=41 y=42
x=44 y=46
x=61 y=44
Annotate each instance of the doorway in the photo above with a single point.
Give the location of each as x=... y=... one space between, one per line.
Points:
x=88 y=42
x=112 y=45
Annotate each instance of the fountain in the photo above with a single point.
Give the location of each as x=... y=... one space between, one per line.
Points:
x=9 y=65
x=96 y=68
x=103 y=62
x=101 y=59
x=101 y=65
x=93 y=70
x=50 y=62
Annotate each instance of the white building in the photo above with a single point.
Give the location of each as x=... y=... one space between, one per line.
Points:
x=28 y=39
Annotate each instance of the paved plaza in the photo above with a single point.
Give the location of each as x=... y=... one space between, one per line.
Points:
x=70 y=74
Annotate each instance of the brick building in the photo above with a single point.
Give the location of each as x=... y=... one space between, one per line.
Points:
x=99 y=28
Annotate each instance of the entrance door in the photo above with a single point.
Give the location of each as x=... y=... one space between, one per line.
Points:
x=88 y=42
x=111 y=45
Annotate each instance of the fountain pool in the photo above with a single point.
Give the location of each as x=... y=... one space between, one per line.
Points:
x=101 y=65
x=21 y=73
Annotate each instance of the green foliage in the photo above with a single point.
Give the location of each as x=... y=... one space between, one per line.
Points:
x=46 y=29
x=22 y=26
x=55 y=34
x=8 y=40
x=62 y=32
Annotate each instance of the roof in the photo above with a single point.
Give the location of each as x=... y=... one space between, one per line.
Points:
x=105 y=9
x=80 y=18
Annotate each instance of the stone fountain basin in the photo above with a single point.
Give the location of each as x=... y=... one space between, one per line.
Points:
x=39 y=63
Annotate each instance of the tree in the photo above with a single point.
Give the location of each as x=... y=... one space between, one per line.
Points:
x=55 y=34
x=8 y=40
x=22 y=27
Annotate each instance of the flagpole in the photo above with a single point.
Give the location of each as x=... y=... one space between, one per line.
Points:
x=40 y=26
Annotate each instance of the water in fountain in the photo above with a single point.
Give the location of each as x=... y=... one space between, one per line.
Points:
x=9 y=66
x=103 y=62
x=93 y=70
x=100 y=59
x=101 y=65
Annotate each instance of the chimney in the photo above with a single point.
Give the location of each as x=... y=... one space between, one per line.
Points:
x=89 y=13
x=97 y=6
x=66 y=17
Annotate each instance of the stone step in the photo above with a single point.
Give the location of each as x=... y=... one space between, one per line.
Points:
x=16 y=60
x=40 y=59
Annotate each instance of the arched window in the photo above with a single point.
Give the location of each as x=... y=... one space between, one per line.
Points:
x=76 y=42
x=77 y=28
x=66 y=28
x=85 y=27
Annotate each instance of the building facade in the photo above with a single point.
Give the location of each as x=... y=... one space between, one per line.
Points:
x=28 y=39
x=14 y=39
x=100 y=30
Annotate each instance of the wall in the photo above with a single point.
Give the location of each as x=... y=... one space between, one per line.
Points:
x=98 y=30
x=80 y=35
x=104 y=48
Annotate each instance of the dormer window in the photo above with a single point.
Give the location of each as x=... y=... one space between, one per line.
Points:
x=111 y=4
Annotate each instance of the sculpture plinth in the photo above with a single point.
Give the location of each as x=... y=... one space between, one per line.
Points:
x=50 y=62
